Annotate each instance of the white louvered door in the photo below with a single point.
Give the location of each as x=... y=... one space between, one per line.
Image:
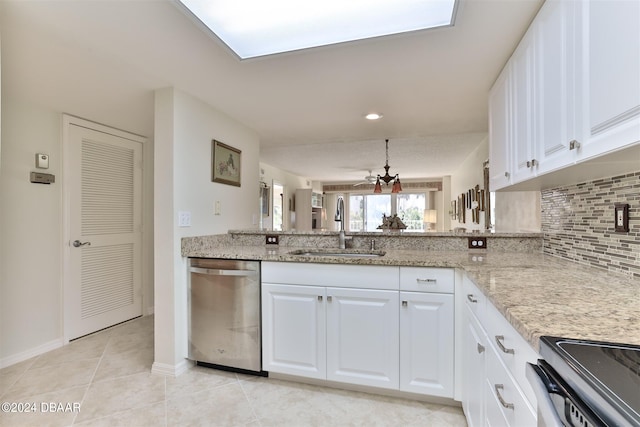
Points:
x=105 y=230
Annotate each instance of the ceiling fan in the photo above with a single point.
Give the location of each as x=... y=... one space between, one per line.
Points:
x=369 y=179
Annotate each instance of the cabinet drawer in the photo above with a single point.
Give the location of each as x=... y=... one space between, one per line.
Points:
x=511 y=347
x=474 y=298
x=423 y=279
x=504 y=394
x=346 y=276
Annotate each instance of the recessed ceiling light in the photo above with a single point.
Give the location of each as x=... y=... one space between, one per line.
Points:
x=373 y=116
x=257 y=27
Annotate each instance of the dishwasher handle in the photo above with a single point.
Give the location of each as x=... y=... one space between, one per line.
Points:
x=219 y=272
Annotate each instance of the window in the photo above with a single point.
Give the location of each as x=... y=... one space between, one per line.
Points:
x=410 y=208
x=366 y=210
x=256 y=28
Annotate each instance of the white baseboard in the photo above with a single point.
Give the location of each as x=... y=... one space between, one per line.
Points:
x=28 y=354
x=171 y=370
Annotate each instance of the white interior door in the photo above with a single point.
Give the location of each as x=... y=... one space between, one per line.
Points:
x=103 y=189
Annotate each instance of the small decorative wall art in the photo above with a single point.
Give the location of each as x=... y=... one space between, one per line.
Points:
x=225 y=164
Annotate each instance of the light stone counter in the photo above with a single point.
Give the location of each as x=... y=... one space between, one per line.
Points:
x=538 y=294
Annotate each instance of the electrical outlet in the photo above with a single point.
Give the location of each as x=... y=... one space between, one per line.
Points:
x=272 y=239
x=477 y=242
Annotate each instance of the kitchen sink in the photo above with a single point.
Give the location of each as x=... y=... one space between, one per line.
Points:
x=338 y=253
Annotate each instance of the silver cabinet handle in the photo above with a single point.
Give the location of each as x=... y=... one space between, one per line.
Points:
x=506 y=174
x=573 y=144
x=419 y=280
x=404 y=303
x=78 y=243
x=480 y=348
x=503 y=402
x=320 y=298
x=534 y=162
x=329 y=299
x=471 y=298
x=499 y=339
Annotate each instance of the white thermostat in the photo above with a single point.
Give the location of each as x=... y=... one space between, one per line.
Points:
x=42 y=161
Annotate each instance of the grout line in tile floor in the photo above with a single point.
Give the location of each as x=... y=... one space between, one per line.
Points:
x=109 y=374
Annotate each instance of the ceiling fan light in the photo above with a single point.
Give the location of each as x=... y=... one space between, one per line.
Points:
x=373 y=116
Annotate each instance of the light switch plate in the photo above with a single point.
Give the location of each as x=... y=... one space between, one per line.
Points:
x=184 y=219
x=621 y=217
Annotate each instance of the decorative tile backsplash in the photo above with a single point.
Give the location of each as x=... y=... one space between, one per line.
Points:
x=578 y=223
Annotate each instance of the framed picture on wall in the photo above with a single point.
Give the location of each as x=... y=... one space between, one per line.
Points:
x=225 y=163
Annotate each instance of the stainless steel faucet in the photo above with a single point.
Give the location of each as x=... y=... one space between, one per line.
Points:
x=340 y=218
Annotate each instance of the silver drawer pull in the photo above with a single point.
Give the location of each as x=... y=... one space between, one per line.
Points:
x=503 y=402
x=480 y=348
x=471 y=298
x=404 y=303
x=320 y=298
x=419 y=280
x=499 y=339
x=329 y=298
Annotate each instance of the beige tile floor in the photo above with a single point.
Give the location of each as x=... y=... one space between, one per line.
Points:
x=108 y=376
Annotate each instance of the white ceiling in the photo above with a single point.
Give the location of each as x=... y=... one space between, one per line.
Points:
x=103 y=60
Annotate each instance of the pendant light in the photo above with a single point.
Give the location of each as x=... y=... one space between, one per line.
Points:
x=397 y=186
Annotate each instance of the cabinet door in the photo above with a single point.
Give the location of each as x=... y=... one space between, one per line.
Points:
x=362 y=337
x=499 y=140
x=426 y=343
x=524 y=164
x=558 y=83
x=473 y=372
x=293 y=330
x=613 y=29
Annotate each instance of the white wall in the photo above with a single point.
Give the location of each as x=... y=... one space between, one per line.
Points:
x=184 y=128
x=30 y=226
x=469 y=174
x=518 y=212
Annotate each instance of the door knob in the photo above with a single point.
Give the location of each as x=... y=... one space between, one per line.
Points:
x=78 y=243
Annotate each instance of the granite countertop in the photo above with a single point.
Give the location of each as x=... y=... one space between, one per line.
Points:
x=538 y=294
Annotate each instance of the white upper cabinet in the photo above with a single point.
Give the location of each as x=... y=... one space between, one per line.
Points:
x=613 y=79
x=499 y=128
x=569 y=94
x=524 y=162
x=558 y=83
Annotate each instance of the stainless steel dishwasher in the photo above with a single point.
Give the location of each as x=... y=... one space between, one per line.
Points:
x=224 y=314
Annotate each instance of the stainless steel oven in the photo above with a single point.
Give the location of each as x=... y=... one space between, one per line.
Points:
x=586 y=383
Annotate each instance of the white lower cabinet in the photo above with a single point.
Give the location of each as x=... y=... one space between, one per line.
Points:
x=362 y=337
x=426 y=343
x=494 y=355
x=294 y=320
x=474 y=351
x=384 y=338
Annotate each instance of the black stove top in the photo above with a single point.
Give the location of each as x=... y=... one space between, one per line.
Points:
x=605 y=375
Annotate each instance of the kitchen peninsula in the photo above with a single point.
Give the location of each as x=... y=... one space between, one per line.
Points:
x=538 y=294
x=425 y=314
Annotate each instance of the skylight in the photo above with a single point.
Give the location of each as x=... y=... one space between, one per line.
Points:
x=254 y=28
